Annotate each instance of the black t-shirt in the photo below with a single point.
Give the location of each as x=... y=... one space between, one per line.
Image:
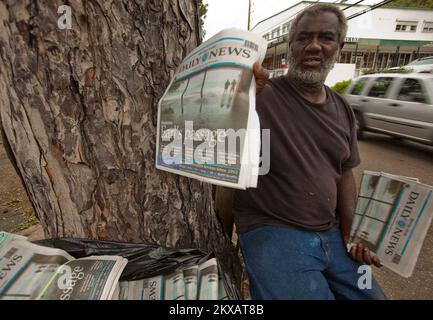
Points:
x=310 y=146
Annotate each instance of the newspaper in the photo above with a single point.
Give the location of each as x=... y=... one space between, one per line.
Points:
x=190 y=283
x=145 y=289
x=393 y=214
x=222 y=293
x=208 y=280
x=190 y=276
x=208 y=128
x=29 y=271
x=175 y=286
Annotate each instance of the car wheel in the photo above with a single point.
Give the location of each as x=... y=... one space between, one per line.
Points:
x=359 y=122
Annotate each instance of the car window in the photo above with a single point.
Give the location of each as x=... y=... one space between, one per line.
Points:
x=421 y=62
x=358 y=86
x=380 y=87
x=411 y=90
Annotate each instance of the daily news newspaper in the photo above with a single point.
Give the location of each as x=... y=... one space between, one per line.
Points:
x=198 y=282
x=208 y=128
x=392 y=217
x=32 y=272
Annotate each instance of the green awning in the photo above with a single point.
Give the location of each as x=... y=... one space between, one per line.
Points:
x=369 y=42
x=404 y=43
x=394 y=43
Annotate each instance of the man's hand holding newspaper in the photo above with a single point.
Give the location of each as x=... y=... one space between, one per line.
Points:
x=362 y=254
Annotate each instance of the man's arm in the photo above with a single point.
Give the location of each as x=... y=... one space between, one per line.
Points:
x=346 y=203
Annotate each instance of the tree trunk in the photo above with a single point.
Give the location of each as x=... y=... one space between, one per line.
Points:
x=79 y=110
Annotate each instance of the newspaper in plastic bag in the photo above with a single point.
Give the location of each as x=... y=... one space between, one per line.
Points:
x=148 y=261
x=208 y=127
x=190 y=283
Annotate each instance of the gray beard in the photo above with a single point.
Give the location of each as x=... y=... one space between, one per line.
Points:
x=310 y=77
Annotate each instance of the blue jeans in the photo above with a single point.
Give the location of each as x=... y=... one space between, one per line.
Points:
x=290 y=263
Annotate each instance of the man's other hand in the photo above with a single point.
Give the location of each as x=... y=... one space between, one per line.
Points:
x=362 y=254
x=261 y=75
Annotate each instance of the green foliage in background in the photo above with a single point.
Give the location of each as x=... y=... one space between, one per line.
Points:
x=341 y=86
x=400 y=69
x=202 y=11
x=425 y=4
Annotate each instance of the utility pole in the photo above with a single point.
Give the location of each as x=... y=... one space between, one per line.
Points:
x=249 y=13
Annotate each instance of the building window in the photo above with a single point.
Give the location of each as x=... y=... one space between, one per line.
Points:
x=266 y=36
x=286 y=27
x=345 y=57
x=428 y=27
x=276 y=33
x=406 y=26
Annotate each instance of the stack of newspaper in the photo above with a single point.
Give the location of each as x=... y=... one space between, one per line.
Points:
x=208 y=127
x=200 y=282
x=392 y=217
x=29 y=271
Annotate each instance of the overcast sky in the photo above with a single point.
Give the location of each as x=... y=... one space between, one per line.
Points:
x=234 y=13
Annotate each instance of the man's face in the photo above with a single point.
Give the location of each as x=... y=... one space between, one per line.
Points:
x=314 y=48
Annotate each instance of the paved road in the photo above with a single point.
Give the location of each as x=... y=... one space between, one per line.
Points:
x=381 y=153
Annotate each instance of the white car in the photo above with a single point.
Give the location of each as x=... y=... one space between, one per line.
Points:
x=419 y=65
x=399 y=105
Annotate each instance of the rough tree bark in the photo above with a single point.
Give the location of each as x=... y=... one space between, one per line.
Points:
x=79 y=110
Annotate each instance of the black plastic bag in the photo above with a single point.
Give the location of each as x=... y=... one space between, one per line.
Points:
x=144 y=261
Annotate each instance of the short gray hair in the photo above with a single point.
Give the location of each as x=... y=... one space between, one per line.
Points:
x=319 y=8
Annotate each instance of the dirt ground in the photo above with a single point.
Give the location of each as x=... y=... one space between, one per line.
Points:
x=16 y=211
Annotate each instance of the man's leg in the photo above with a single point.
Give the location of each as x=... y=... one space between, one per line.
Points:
x=284 y=263
x=342 y=272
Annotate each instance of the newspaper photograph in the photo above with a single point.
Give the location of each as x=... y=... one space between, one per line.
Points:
x=368 y=184
x=26 y=268
x=395 y=220
x=208 y=128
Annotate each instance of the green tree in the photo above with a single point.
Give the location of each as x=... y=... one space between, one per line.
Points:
x=78 y=108
x=341 y=86
x=424 y=4
x=202 y=11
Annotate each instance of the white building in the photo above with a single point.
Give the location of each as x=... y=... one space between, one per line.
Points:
x=380 y=38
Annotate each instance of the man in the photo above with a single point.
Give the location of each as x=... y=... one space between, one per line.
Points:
x=294 y=225
x=226 y=87
x=232 y=92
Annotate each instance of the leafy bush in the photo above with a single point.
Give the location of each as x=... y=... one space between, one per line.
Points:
x=400 y=69
x=341 y=86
